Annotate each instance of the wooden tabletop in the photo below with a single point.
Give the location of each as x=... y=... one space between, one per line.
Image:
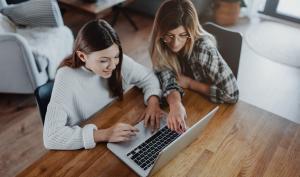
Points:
x=241 y=140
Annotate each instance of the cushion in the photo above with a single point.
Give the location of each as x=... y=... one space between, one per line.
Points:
x=3 y=4
x=49 y=46
x=6 y=26
x=35 y=13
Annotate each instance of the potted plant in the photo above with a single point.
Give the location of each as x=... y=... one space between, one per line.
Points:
x=226 y=12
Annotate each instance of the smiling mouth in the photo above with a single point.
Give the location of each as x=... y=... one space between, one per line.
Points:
x=176 y=48
x=107 y=72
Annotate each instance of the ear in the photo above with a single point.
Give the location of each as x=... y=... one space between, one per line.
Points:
x=82 y=56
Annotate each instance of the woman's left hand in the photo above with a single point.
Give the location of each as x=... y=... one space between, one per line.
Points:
x=152 y=114
x=184 y=81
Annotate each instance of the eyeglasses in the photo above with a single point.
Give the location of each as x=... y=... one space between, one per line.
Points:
x=168 y=38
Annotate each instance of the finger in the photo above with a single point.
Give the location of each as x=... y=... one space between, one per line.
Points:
x=169 y=122
x=157 y=121
x=128 y=127
x=123 y=138
x=184 y=125
x=179 y=126
x=122 y=126
x=133 y=129
x=176 y=124
x=118 y=139
x=152 y=122
x=127 y=135
x=146 y=120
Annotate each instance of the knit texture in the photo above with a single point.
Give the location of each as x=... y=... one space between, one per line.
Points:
x=79 y=93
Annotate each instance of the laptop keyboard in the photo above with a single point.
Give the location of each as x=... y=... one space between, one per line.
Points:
x=145 y=154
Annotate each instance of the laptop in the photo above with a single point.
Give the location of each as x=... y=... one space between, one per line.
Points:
x=147 y=152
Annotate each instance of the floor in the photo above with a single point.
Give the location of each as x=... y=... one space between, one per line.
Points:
x=264 y=83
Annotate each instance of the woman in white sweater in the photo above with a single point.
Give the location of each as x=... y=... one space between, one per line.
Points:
x=96 y=74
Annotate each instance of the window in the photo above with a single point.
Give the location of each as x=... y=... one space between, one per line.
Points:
x=283 y=9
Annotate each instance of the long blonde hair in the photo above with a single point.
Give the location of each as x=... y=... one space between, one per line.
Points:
x=172 y=14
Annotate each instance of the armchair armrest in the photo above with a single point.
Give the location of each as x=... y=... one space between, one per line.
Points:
x=18 y=69
x=3 y=4
x=35 y=13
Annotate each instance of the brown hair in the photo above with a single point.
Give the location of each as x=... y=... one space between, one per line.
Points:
x=94 y=36
x=170 y=15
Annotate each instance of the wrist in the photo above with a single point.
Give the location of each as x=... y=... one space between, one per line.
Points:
x=101 y=135
x=175 y=105
x=153 y=100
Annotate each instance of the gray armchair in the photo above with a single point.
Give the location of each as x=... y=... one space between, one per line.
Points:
x=26 y=59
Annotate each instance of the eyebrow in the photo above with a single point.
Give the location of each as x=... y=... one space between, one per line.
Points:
x=178 y=34
x=104 y=58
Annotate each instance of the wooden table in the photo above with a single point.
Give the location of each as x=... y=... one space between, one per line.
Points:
x=241 y=140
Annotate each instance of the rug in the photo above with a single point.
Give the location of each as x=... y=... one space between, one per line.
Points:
x=275 y=41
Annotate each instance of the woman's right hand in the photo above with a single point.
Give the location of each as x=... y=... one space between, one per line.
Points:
x=117 y=133
x=176 y=118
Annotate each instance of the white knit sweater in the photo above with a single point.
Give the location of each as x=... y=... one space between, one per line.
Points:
x=79 y=93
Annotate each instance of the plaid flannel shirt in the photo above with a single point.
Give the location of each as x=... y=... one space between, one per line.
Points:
x=207 y=66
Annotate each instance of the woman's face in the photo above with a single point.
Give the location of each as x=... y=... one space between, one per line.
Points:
x=176 y=39
x=101 y=62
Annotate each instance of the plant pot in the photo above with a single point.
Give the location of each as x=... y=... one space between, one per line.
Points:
x=226 y=13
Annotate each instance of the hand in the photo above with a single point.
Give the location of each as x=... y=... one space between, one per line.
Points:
x=152 y=114
x=176 y=118
x=117 y=133
x=184 y=81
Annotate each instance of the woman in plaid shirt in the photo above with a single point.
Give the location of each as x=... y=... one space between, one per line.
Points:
x=185 y=56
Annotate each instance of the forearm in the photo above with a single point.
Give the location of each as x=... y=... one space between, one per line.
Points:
x=174 y=98
x=199 y=87
x=211 y=91
x=58 y=135
x=168 y=82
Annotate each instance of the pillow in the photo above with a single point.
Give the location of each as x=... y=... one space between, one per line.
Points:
x=49 y=46
x=3 y=4
x=35 y=13
x=6 y=26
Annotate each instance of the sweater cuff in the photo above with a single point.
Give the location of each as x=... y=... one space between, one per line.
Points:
x=172 y=87
x=214 y=94
x=88 y=136
x=156 y=92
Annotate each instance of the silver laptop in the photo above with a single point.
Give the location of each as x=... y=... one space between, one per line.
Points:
x=147 y=152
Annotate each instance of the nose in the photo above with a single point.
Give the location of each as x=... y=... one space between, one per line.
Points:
x=175 y=42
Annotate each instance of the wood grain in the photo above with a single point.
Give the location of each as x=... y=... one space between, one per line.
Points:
x=241 y=140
